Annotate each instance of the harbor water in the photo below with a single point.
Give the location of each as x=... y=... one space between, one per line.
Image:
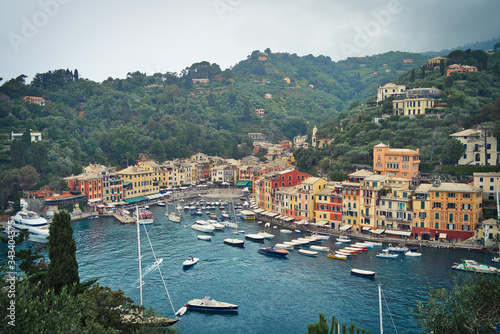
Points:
x=274 y=295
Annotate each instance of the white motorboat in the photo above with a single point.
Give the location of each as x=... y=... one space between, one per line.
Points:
x=285 y=231
x=266 y=235
x=191 y=261
x=229 y=224
x=361 y=272
x=373 y=243
x=216 y=224
x=343 y=239
x=210 y=305
x=160 y=203
x=411 y=253
x=286 y=246
x=387 y=255
x=320 y=248
x=471 y=265
x=399 y=249
x=307 y=252
x=234 y=242
x=323 y=237
x=203 y=226
x=38 y=227
x=205 y=237
x=254 y=237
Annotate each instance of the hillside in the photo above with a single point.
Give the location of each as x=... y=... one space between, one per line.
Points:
x=173 y=115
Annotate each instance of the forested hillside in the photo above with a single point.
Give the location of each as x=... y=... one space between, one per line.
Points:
x=173 y=115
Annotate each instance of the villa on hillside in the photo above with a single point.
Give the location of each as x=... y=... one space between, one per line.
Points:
x=458 y=68
x=474 y=143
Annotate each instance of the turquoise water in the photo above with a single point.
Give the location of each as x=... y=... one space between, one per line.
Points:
x=274 y=295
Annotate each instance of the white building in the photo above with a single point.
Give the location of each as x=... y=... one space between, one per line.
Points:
x=474 y=143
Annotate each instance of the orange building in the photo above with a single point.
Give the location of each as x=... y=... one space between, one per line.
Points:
x=34 y=99
x=396 y=162
x=460 y=69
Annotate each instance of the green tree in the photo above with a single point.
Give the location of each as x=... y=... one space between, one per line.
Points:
x=63 y=267
x=29 y=177
x=412 y=75
x=448 y=82
x=422 y=73
x=442 y=67
x=452 y=151
x=471 y=306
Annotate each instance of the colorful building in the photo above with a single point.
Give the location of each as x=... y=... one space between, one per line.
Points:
x=137 y=182
x=446 y=211
x=479 y=150
x=390 y=90
x=412 y=106
x=396 y=162
x=489 y=182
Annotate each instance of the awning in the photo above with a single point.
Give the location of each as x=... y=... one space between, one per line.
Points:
x=272 y=214
x=288 y=219
x=403 y=233
x=442 y=235
x=366 y=228
x=130 y=200
x=259 y=210
x=243 y=183
x=95 y=200
x=141 y=198
x=345 y=227
x=378 y=231
x=323 y=223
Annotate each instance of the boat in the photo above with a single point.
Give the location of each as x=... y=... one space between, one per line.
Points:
x=144 y=216
x=38 y=227
x=191 y=261
x=205 y=237
x=160 y=204
x=337 y=256
x=203 y=226
x=247 y=215
x=285 y=231
x=225 y=216
x=266 y=235
x=373 y=243
x=320 y=248
x=156 y=265
x=173 y=217
x=283 y=245
x=343 y=239
x=216 y=224
x=471 y=265
x=210 y=305
x=321 y=236
x=364 y=273
x=364 y=245
x=273 y=251
x=254 y=237
x=398 y=248
x=354 y=249
x=387 y=255
x=307 y=252
x=340 y=252
x=234 y=242
x=412 y=253
x=298 y=231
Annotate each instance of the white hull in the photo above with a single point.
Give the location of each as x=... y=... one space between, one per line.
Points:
x=190 y=262
x=174 y=218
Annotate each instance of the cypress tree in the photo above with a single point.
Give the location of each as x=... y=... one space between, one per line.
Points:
x=63 y=267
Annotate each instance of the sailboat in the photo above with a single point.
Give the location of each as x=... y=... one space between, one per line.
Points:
x=156 y=265
x=173 y=217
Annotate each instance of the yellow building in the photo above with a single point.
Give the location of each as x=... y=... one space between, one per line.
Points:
x=396 y=162
x=446 y=211
x=395 y=213
x=390 y=90
x=371 y=190
x=137 y=182
x=411 y=107
x=305 y=196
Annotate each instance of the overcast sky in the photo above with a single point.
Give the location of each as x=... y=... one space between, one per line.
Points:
x=110 y=38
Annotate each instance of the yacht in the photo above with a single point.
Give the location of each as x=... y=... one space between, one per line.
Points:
x=37 y=226
x=203 y=226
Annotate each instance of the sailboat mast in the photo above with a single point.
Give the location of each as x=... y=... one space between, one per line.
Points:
x=139 y=248
x=380 y=308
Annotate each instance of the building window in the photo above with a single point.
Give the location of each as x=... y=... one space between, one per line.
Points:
x=436 y=216
x=466 y=217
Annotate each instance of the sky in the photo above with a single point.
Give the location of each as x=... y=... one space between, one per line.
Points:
x=110 y=38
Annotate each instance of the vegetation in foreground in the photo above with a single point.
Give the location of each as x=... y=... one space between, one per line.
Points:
x=51 y=299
